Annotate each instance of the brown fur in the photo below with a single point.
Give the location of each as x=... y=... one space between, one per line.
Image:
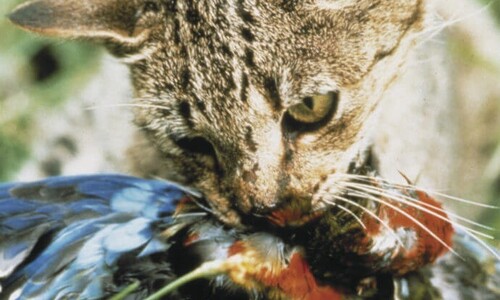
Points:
x=215 y=78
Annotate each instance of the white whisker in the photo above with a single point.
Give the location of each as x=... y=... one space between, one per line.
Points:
x=460 y=199
x=382 y=222
x=190 y=215
x=485 y=245
x=352 y=214
x=150 y=99
x=417 y=222
x=433 y=31
x=371 y=179
x=125 y=105
x=420 y=205
x=426 y=190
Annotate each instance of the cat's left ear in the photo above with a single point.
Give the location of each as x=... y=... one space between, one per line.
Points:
x=123 y=22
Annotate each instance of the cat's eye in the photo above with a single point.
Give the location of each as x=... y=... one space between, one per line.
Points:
x=197 y=145
x=314 y=109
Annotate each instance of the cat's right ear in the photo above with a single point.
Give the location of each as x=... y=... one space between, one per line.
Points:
x=118 y=21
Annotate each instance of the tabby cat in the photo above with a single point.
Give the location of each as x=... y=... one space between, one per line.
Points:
x=258 y=104
x=270 y=106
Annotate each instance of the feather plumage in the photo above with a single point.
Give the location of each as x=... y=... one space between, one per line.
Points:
x=90 y=237
x=65 y=236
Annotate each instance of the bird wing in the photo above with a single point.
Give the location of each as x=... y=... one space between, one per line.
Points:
x=67 y=236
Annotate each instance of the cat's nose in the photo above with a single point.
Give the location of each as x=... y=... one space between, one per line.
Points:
x=290 y=209
x=268 y=191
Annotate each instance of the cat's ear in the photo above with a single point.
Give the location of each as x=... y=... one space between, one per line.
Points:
x=116 y=20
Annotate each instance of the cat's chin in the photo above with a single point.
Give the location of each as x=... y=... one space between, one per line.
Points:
x=285 y=216
x=290 y=216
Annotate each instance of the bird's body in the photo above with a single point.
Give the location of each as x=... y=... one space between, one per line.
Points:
x=90 y=237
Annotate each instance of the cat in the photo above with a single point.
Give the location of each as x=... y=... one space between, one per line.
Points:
x=448 y=105
x=271 y=106
x=257 y=104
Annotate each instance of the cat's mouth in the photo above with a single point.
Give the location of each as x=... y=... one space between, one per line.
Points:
x=297 y=211
x=292 y=214
x=293 y=217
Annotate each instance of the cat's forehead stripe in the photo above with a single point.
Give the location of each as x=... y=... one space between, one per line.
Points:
x=244 y=14
x=200 y=105
x=273 y=93
x=187 y=30
x=185 y=112
x=244 y=88
x=232 y=62
x=249 y=139
x=247 y=34
x=185 y=78
x=249 y=57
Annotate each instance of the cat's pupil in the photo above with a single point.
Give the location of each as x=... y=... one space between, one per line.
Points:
x=309 y=102
x=312 y=113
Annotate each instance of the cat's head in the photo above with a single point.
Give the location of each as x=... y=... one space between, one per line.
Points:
x=256 y=103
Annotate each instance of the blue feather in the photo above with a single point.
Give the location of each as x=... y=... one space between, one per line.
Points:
x=88 y=223
x=22 y=222
x=11 y=206
x=5 y=188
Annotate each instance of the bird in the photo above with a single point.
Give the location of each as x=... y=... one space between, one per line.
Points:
x=90 y=237
x=111 y=236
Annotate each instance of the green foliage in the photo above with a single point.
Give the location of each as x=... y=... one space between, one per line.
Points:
x=495 y=6
x=13 y=150
x=22 y=94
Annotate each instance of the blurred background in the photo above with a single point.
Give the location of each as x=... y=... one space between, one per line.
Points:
x=40 y=78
